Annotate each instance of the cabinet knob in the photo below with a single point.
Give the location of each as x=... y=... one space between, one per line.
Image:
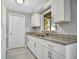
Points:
x=11 y=33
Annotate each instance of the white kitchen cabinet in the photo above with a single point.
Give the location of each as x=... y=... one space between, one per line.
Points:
x=44 y=49
x=34 y=46
x=61 y=11
x=30 y=44
x=46 y=53
x=35 y=20
x=50 y=54
x=39 y=51
x=57 y=56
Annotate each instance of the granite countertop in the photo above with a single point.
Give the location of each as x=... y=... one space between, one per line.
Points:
x=57 y=38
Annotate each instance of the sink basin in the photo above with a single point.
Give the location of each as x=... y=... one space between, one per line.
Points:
x=43 y=35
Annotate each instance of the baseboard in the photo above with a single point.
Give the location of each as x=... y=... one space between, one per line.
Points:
x=15 y=48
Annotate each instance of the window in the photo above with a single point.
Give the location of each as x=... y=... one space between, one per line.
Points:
x=20 y=1
x=48 y=25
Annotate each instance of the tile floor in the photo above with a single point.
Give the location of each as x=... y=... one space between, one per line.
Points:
x=20 y=53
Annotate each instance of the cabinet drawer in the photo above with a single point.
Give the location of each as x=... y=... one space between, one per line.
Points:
x=57 y=48
x=35 y=20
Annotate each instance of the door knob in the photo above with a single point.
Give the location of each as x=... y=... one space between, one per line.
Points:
x=10 y=33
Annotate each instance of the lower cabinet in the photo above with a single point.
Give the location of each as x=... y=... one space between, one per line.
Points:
x=46 y=53
x=46 y=50
x=50 y=54
x=42 y=52
x=35 y=48
x=39 y=50
x=30 y=44
x=57 y=56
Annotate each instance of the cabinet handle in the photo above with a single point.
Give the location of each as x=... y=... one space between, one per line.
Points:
x=49 y=54
x=34 y=44
x=28 y=40
x=50 y=46
x=11 y=33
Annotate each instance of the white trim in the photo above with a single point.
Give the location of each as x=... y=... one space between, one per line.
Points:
x=49 y=10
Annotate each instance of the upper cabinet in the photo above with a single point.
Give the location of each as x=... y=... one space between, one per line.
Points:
x=35 y=20
x=60 y=11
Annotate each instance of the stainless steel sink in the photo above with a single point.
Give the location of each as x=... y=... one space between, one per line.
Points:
x=43 y=35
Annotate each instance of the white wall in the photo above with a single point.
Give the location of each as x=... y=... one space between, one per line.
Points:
x=4 y=16
x=3 y=32
x=28 y=22
x=67 y=28
x=70 y=28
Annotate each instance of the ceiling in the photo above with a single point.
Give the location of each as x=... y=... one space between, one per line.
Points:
x=29 y=7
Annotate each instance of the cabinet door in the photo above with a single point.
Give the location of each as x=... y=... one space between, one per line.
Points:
x=39 y=50
x=58 y=10
x=32 y=22
x=50 y=54
x=35 y=20
x=36 y=48
x=46 y=53
x=55 y=55
x=30 y=45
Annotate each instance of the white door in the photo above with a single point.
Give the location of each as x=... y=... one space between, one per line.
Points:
x=16 y=35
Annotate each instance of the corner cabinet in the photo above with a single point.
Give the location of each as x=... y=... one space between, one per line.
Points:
x=35 y=20
x=60 y=11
